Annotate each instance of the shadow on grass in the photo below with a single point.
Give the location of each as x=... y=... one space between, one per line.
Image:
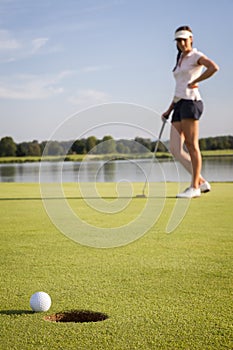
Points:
x=82 y=198
x=16 y=312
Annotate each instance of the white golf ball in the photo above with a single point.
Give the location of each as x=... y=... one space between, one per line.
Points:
x=40 y=301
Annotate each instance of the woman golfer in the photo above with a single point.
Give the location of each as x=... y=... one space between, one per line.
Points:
x=187 y=107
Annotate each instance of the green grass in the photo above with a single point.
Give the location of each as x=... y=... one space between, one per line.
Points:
x=218 y=153
x=80 y=157
x=164 y=291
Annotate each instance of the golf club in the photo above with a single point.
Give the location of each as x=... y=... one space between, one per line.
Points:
x=154 y=153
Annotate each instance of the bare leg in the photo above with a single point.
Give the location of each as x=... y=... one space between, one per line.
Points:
x=190 y=129
x=176 y=147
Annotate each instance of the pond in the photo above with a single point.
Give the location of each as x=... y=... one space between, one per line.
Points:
x=216 y=169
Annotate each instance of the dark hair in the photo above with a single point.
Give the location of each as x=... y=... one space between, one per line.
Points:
x=184 y=28
x=179 y=52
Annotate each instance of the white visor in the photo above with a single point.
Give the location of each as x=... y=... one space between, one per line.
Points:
x=183 y=34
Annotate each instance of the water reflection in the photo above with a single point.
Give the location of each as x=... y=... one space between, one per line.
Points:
x=219 y=166
x=7 y=173
x=108 y=172
x=214 y=169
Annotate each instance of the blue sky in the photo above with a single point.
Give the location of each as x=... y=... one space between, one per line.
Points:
x=58 y=57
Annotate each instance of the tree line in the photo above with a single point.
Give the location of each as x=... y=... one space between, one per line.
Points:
x=9 y=148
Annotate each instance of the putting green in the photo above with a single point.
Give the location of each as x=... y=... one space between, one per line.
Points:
x=163 y=291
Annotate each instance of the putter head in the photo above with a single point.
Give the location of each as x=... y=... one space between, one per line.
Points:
x=141 y=196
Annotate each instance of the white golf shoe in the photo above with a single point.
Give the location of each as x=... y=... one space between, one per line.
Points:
x=205 y=187
x=190 y=192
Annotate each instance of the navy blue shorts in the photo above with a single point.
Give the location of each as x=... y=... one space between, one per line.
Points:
x=187 y=109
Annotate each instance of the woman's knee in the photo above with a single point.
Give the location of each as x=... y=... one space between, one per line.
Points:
x=176 y=145
x=192 y=147
x=175 y=150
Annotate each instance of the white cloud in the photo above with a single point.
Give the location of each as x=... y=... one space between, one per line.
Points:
x=38 y=43
x=65 y=74
x=91 y=69
x=7 y=42
x=89 y=97
x=14 y=49
x=29 y=92
x=29 y=87
x=34 y=87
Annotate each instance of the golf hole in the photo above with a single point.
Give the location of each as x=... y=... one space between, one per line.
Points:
x=77 y=316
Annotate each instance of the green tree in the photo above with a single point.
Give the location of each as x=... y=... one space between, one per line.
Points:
x=161 y=147
x=108 y=145
x=144 y=145
x=79 y=147
x=121 y=148
x=8 y=147
x=34 y=148
x=91 y=142
x=22 y=149
x=53 y=148
x=202 y=144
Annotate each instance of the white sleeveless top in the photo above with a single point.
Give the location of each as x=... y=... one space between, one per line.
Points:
x=186 y=71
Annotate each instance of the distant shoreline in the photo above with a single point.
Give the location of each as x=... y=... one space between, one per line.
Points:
x=104 y=157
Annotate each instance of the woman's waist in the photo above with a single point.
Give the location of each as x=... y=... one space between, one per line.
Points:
x=187 y=93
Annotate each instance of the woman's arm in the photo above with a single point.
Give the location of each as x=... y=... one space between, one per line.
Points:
x=166 y=114
x=211 y=68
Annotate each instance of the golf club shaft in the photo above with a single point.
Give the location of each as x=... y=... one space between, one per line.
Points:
x=155 y=150
x=159 y=138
